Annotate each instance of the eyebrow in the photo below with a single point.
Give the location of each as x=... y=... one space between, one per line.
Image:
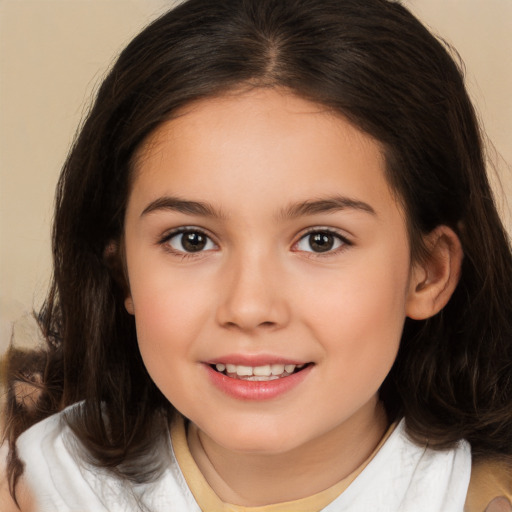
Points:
x=325 y=205
x=301 y=209
x=183 y=206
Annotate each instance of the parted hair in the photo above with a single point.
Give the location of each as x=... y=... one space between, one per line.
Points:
x=370 y=61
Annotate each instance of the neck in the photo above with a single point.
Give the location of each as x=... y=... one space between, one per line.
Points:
x=250 y=479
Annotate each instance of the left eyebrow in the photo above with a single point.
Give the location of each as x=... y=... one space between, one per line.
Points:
x=325 y=205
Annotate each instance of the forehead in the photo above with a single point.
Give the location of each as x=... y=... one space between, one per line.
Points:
x=259 y=143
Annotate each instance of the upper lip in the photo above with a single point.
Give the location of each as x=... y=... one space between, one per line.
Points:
x=254 y=360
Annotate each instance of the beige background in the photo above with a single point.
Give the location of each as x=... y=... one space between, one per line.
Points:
x=53 y=54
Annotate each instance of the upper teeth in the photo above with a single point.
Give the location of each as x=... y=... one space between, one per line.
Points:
x=258 y=371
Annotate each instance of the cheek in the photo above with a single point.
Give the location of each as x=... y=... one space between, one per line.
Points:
x=166 y=322
x=166 y=329
x=169 y=315
x=165 y=299
x=359 y=316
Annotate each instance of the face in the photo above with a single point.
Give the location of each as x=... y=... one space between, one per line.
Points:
x=269 y=269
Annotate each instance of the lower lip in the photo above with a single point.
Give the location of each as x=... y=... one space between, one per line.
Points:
x=256 y=390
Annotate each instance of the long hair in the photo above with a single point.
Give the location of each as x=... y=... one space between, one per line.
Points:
x=372 y=62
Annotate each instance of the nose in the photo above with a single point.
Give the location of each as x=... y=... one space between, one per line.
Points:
x=253 y=295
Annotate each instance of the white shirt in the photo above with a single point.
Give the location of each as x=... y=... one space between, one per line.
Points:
x=402 y=477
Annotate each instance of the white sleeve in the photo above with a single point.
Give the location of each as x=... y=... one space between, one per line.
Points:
x=52 y=474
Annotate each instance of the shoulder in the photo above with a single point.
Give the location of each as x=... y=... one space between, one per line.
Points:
x=61 y=476
x=23 y=496
x=490 y=488
x=54 y=469
x=43 y=438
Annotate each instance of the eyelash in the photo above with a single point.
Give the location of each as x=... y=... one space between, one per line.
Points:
x=344 y=243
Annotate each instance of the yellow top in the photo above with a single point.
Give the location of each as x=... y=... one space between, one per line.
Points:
x=490 y=489
x=208 y=500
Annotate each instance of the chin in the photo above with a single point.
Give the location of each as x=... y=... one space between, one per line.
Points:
x=258 y=440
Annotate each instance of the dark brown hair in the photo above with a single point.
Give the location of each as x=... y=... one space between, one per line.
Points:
x=378 y=66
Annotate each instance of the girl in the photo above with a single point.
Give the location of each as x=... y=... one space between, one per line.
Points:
x=280 y=283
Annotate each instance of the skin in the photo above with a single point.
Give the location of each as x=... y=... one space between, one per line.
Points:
x=258 y=287
x=24 y=496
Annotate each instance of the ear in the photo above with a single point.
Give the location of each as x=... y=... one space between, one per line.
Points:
x=434 y=279
x=128 y=304
x=113 y=256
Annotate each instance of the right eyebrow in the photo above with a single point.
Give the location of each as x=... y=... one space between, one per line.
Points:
x=182 y=206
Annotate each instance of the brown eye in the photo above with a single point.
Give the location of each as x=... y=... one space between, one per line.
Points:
x=320 y=241
x=193 y=242
x=190 y=241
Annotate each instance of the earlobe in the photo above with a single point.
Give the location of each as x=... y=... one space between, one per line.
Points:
x=434 y=279
x=128 y=304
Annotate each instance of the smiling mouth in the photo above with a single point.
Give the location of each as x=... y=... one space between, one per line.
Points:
x=258 y=373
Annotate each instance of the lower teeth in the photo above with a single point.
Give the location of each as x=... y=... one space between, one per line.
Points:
x=257 y=378
x=260 y=378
